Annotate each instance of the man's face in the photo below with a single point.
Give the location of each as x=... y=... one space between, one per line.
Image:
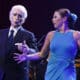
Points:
x=17 y=18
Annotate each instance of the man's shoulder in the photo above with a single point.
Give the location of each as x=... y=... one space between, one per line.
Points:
x=5 y=29
x=25 y=31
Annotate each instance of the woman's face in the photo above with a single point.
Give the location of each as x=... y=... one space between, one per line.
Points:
x=57 y=20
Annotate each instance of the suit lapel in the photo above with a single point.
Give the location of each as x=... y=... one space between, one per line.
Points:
x=18 y=36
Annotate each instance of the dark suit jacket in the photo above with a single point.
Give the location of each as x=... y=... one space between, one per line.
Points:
x=8 y=67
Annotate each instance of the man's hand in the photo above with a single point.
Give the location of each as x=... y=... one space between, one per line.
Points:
x=22 y=47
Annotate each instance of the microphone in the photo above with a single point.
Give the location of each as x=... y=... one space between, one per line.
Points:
x=39 y=42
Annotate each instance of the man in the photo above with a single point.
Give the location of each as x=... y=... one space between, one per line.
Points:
x=8 y=38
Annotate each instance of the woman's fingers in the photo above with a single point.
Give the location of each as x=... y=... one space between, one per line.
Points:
x=19 y=57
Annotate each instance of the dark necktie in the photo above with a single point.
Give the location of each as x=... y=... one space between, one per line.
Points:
x=11 y=37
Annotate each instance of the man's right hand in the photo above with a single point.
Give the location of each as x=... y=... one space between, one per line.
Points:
x=22 y=47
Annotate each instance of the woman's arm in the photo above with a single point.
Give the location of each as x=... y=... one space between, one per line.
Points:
x=45 y=47
x=77 y=38
x=38 y=55
x=76 y=35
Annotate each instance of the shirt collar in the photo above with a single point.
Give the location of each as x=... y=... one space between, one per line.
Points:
x=15 y=29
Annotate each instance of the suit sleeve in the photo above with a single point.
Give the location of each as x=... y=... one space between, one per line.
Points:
x=32 y=42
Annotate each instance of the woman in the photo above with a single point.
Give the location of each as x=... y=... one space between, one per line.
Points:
x=62 y=44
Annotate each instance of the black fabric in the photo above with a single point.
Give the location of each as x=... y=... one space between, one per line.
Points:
x=12 y=70
x=11 y=37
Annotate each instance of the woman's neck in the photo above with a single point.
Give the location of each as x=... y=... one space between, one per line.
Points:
x=63 y=28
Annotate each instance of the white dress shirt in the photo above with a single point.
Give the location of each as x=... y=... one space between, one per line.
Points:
x=15 y=30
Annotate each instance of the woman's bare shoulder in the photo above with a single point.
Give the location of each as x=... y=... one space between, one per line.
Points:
x=76 y=34
x=50 y=34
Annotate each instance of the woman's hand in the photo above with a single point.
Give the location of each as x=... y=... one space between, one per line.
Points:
x=20 y=57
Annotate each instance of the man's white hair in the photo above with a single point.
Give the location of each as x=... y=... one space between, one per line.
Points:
x=20 y=7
